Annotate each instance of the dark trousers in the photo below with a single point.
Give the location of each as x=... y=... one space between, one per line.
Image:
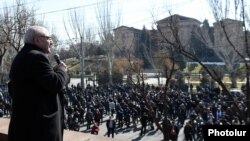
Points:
x=111 y=131
x=188 y=137
x=143 y=129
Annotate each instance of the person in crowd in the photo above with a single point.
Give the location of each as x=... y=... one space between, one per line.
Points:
x=188 y=131
x=36 y=89
x=1 y=112
x=110 y=126
x=144 y=120
x=111 y=107
x=174 y=131
x=95 y=128
x=89 y=118
x=97 y=116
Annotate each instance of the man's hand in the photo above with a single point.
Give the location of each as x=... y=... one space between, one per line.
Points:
x=61 y=66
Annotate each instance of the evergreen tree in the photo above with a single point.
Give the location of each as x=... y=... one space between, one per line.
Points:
x=144 y=51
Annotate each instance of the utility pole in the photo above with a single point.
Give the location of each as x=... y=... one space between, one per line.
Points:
x=110 y=65
x=82 y=56
x=110 y=57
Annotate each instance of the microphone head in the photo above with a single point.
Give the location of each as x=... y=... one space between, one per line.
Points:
x=57 y=58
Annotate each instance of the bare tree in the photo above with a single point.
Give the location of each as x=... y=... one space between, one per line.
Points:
x=235 y=36
x=14 y=20
x=227 y=33
x=3 y=50
x=106 y=24
x=174 y=38
x=126 y=40
x=77 y=27
x=3 y=47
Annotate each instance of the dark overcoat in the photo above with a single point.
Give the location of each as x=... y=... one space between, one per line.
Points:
x=35 y=87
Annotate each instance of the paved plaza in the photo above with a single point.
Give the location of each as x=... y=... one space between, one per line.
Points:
x=131 y=135
x=121 y=135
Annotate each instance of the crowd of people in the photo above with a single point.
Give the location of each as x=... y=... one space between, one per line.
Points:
x=130 y=110
x=5 y=105
x=86 y=108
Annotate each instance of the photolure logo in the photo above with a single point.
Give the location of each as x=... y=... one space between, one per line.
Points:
x=241 y=132
x=215 y=132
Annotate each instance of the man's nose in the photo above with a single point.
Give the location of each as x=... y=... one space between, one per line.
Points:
x=51 y=42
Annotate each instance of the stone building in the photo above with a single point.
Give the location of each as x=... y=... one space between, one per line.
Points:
x=184 y=26
x=126 y=40
x=232 y=29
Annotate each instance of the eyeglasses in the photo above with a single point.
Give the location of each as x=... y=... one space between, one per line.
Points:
x=47 y=37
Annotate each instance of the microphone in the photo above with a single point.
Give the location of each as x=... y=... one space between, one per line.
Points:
x=57 y=58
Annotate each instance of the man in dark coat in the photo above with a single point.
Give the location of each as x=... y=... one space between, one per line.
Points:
x=110 y=124
x=36 y=91
x=188 y=131
x=174 y=131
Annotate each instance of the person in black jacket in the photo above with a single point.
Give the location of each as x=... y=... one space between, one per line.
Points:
x=188 y=131
x=36 y=91
x=110 y=124
x=174 y=131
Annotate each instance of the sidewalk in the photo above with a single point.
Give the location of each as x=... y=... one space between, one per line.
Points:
x=134 y=135
x=122 y=135
x=68 y=135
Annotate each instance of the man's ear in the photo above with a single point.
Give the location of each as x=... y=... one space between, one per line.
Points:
x=36 y=40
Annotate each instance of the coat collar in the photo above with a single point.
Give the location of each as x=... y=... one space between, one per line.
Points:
x=31 y=47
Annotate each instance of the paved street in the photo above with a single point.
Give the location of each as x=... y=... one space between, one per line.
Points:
x=130 y=135
x=122 y=135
